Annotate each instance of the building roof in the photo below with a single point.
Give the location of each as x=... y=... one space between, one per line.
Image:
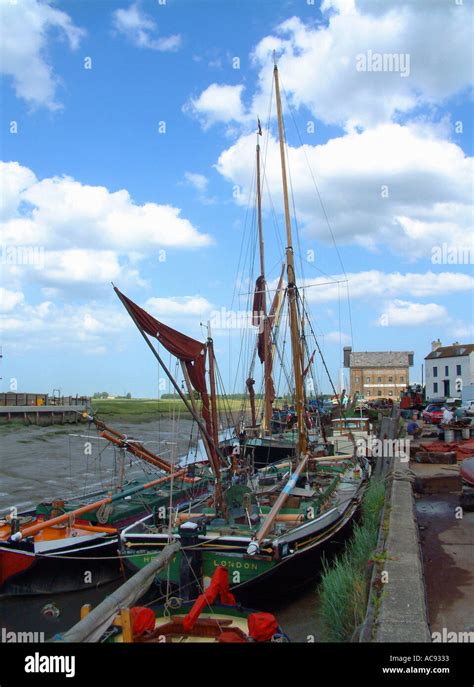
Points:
x=381 y=359
x=455 y=351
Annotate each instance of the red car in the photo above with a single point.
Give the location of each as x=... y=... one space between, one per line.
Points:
x=433 y=414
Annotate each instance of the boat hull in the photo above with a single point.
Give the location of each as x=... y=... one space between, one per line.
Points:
x=69 y=566
x=74 y=564
x=291 y=560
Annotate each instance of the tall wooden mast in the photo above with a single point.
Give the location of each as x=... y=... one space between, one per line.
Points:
x=291 y=281
x=267 y=367
x=215 y=427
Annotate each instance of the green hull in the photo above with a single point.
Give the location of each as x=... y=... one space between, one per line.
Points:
x=241 y=570
x=130 y=508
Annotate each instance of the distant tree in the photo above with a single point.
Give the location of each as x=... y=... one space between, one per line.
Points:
x=129 y=395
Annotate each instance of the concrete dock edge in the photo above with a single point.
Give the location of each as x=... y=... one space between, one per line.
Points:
x=402 y=614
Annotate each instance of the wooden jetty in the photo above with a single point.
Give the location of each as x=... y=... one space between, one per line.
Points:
x=42 y=409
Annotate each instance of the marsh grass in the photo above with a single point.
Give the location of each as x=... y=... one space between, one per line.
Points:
x=344 y=583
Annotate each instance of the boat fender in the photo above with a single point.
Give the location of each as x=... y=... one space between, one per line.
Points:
x=262 y=626
x=50 y=611
x=252 y=548
x=143 y=620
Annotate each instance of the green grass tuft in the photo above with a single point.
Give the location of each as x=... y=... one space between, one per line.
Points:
x=344 y=584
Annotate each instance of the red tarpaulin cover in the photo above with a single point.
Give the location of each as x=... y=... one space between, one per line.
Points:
x=143 y=619
x=262 y=626
x=219 y=585
x=463 y=449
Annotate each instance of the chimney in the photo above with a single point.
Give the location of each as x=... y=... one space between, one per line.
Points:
x=455 y=343
x=435 y=344
x=347 y=356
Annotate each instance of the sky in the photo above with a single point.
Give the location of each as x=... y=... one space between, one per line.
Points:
x=128 y=134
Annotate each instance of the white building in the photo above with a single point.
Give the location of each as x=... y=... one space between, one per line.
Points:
x=448 y=369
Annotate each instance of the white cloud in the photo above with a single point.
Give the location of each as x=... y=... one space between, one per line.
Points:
x=337 y=337
x=375 y=284
x=9 y=299
x=64 y=212
x=62 y=217
x=399 y=313
x=320 y=64
x=87 y=269
x=178 y=306
x=401 y=186
x=218 y=103
x=27 y=26
x=463 y=331
x=199 y=181
x=141 y=30
x=57 y=326
x=89 y=328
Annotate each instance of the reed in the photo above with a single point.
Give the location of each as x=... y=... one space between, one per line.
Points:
x=343 y=590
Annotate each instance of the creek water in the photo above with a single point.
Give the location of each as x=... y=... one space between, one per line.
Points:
x=42 y=463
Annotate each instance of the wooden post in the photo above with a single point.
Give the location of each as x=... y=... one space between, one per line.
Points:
x=127 y=630
x=85 y=610
x=127 y=594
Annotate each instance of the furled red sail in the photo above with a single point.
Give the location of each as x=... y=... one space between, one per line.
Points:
x=310 y=362
x=191 y=352
x=258 y=302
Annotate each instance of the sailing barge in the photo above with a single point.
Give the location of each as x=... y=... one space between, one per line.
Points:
x=70 y=544
x=269 y=524
x=260 y=540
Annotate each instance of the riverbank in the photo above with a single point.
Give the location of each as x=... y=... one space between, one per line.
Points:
x=143 y=410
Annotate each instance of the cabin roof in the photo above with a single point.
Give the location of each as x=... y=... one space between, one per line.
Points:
x=381 y=359
x=455 y=351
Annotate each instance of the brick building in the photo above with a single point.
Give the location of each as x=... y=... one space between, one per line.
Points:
x=381 y=374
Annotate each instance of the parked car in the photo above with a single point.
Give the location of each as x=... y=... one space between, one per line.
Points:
x=433 y=414
x=468 y=408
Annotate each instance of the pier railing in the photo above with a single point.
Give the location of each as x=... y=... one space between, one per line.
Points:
x=38 y=400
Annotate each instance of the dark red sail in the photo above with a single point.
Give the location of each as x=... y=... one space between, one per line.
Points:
x=191 y=352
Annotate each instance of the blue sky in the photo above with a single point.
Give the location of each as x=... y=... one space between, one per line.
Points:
x=90 y=181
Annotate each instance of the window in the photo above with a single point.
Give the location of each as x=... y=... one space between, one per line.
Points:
x=367 y=379
x=390 y=393
x=446 y=370
x=379 y=392
x=390 y=379
x=379 y=379
x=435 y=388
x=458 y=369
x=402 y=379
x=435 y=371
x=357 y=380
